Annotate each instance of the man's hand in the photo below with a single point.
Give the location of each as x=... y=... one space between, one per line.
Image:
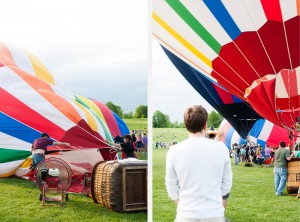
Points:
x=291 y=156
x=224 y=202
x=110 y=143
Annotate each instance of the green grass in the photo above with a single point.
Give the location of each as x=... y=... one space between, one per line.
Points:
x=169 y=135
x=20 y=202
x=252 y=196
x=138 y=123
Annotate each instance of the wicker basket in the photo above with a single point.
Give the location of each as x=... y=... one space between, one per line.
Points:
x=293 y=180
x=120 y=185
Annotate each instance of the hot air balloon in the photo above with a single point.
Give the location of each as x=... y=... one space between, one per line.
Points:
x=32 y=102
x=266 y=133
x=231 y=136
x=237 y=112
x=263 y=133
x=251 y=48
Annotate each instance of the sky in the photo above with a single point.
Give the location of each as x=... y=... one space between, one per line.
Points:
x=95 y=48
x=170 y=92
x=101 y=50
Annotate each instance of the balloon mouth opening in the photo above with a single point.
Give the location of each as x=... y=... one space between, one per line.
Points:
x=270 y=77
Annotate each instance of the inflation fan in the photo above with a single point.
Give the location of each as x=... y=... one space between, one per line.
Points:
x=54 y=177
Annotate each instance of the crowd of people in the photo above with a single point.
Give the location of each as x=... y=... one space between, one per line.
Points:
x=132 y=145
x=270 y=155
x=252 y=153
x=164 y=145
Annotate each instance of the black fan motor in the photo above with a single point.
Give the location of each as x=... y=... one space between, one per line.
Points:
x=44 y=174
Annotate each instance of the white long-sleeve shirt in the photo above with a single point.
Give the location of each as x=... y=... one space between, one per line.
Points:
x=198 y=174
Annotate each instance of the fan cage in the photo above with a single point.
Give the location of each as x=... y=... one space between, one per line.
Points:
x=56 y=165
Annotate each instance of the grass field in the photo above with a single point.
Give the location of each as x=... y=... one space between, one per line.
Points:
x=20 y=202
x=138 y=124
x=252 y=196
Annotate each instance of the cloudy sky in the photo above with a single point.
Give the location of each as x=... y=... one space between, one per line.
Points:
x=96 y=48
x=170 y=92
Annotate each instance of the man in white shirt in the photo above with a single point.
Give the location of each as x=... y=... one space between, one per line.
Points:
x=198 y=172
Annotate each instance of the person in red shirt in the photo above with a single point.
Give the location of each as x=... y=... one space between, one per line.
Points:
x=39 y=147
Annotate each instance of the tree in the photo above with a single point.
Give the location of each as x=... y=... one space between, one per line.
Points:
x=141 y=112
x=214 y=119
x=160 y=120
x=128 y=115
x=175 y=124
x=181 y=125
x=115 y=108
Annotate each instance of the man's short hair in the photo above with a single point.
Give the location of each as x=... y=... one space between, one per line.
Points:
x=195 y=118
x=45 y=134
x=282 y=144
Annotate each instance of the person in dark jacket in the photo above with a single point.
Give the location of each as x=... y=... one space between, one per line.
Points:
x=127 y=147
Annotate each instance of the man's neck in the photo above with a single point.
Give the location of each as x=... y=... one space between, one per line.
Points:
x=198 y=134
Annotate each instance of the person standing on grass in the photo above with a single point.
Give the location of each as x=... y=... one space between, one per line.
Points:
x=139 y=143
x=236 y=153
x=243 y=153
x=198 y=172
x=282 y=155
x=267 y=152
x=145 y=143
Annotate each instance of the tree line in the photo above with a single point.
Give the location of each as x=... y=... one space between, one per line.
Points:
x=161 y=120
x=140 y=112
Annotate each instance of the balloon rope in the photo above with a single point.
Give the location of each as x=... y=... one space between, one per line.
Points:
x=95 y=136
x=287 y=44
x=78 y=148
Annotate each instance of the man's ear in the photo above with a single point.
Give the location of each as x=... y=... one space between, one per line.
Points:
x=205 y=126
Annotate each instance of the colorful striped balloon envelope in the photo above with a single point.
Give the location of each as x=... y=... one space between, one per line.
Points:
x=116 y=125
x=33 y=102
x=266 y=133
x=251 y=48
x=231 y=136
x=237 y=112
x=263 y=133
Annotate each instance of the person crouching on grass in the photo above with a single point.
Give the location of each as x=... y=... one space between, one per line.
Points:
x=39 y=148
x=198 y=172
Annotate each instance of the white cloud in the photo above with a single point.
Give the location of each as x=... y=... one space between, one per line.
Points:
x=93 y=47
